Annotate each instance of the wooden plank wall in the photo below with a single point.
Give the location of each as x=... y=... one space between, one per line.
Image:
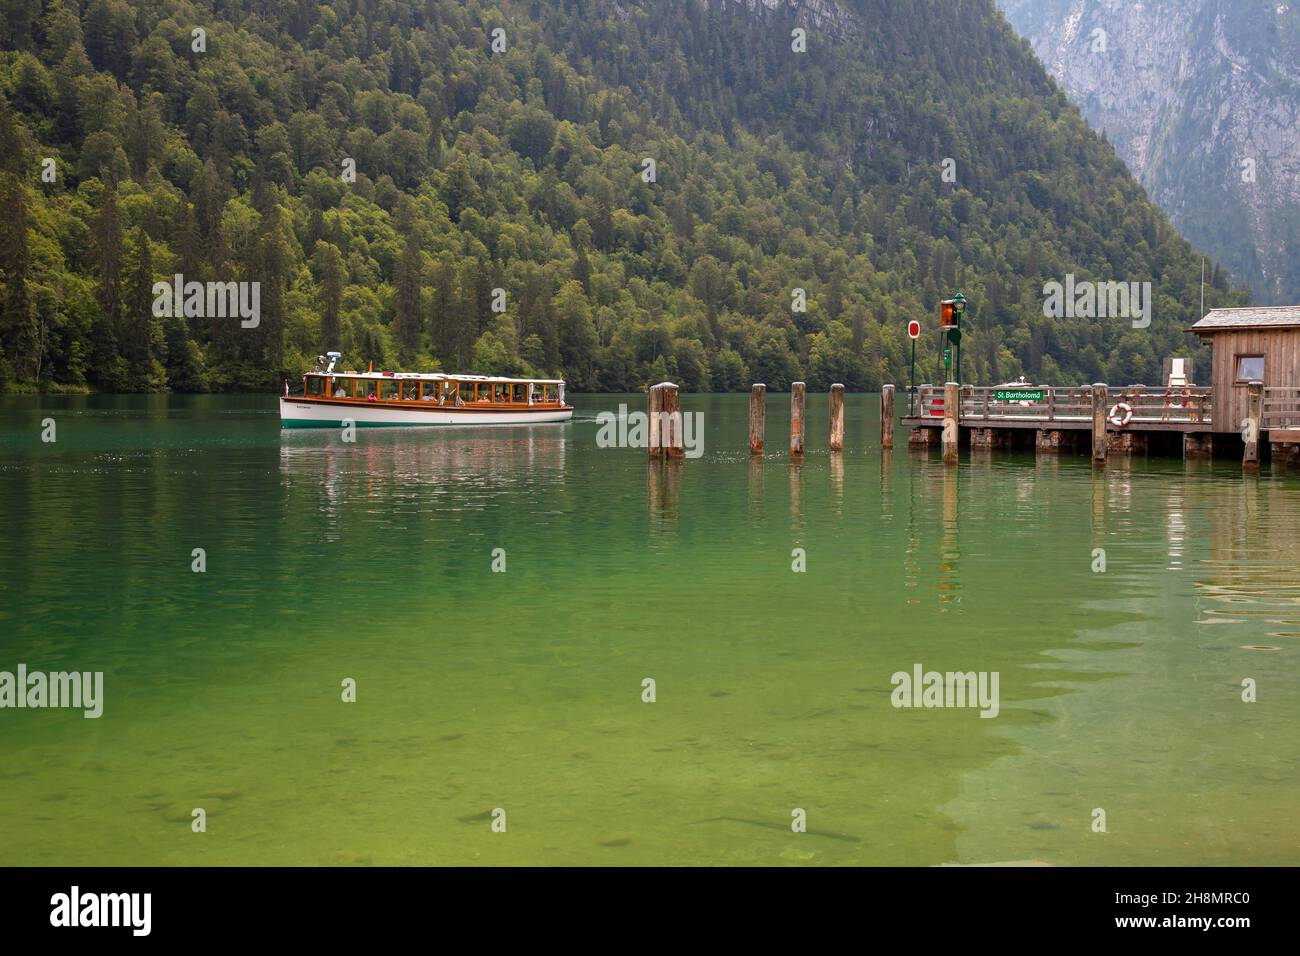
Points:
x=1281 y=351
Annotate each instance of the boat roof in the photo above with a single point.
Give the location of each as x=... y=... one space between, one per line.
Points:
x=438 y=377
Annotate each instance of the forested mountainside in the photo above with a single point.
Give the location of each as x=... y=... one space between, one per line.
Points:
x=910 y=148
x=1202 y=100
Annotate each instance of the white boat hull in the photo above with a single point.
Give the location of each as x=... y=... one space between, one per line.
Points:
x=297 y=413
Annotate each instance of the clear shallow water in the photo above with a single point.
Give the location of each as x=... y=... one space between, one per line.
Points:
x=522 y=690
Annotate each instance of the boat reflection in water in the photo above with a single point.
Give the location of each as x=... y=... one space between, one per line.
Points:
x=409 y=471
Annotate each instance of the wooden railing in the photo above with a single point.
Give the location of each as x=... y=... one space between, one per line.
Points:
x=1073 y=403
x=1281 y=407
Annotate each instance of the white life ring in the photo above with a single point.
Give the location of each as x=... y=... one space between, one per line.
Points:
x=1121 y=414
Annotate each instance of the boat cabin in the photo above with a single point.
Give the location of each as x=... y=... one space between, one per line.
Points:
x=456 y=391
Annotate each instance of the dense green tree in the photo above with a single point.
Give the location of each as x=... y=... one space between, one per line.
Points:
x=378 y=170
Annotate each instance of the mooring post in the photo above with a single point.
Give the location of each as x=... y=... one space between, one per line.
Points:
x=887 y=416
x=1100 y=396
x=757 y=413
x=837 y=417
x=655 y=405
x=1250 y=429
x=797 y=391
x=672 y=422
x=951 y=421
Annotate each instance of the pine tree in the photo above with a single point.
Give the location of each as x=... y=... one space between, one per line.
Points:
x=19 y=336
x=141 y=337
x=106 y=254
x=329 y=266
x=406 y=325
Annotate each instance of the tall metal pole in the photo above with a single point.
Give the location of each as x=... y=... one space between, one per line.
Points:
x=956 y=358
x=913 y=378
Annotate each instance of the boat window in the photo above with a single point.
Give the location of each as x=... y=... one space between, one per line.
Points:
x=315 y=385
x=339 y=388
x=517 y=393
x=500 y=392
x=410 y=391
x=388 y=390
x=366 y=388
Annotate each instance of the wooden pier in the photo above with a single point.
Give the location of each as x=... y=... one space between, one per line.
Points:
x=1104 y=419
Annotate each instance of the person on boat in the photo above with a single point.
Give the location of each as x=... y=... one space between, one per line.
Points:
x=339 y=391
x=372 y=397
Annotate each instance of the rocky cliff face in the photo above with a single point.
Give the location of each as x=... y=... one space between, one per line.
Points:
x=1202 y=100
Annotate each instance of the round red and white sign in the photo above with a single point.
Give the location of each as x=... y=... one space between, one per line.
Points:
x=914 y=329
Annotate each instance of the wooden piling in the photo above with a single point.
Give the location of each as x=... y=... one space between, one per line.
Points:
x=757 y=417
x=1198 y=445
x=671 y=430
x=1100 y=396
x=654 y=405
x=837 y=417
x=887 y=417
x=797 y=391
x=951 y=421
x=1250 y=429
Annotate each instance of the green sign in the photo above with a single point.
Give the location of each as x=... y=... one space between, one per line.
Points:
x=954 y=336
x=1017 y=394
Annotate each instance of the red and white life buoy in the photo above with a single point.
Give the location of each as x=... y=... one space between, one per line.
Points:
x=1121 y=414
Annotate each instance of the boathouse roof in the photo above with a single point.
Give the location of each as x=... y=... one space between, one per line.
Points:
x=1256 y=317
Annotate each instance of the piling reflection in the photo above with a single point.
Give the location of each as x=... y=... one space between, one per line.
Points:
x=911 y=553
x=1098 y=510
x=886 y=496
x=949 y=551
x=755 y=484
x=837 y=483
x=796 y=495
x=664 y=489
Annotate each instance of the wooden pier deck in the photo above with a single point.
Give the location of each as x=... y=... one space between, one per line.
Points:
x=1066 y=407
x=1061 y=416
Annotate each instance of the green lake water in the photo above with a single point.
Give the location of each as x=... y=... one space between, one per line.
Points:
x=522 y=690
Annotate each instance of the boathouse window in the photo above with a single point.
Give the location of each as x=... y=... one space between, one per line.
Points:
x=1250 y=368
x=315 y=385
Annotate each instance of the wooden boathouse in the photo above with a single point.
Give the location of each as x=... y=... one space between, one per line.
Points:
x=1251 y=406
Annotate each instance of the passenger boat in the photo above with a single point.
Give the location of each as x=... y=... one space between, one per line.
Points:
x=388 y=399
